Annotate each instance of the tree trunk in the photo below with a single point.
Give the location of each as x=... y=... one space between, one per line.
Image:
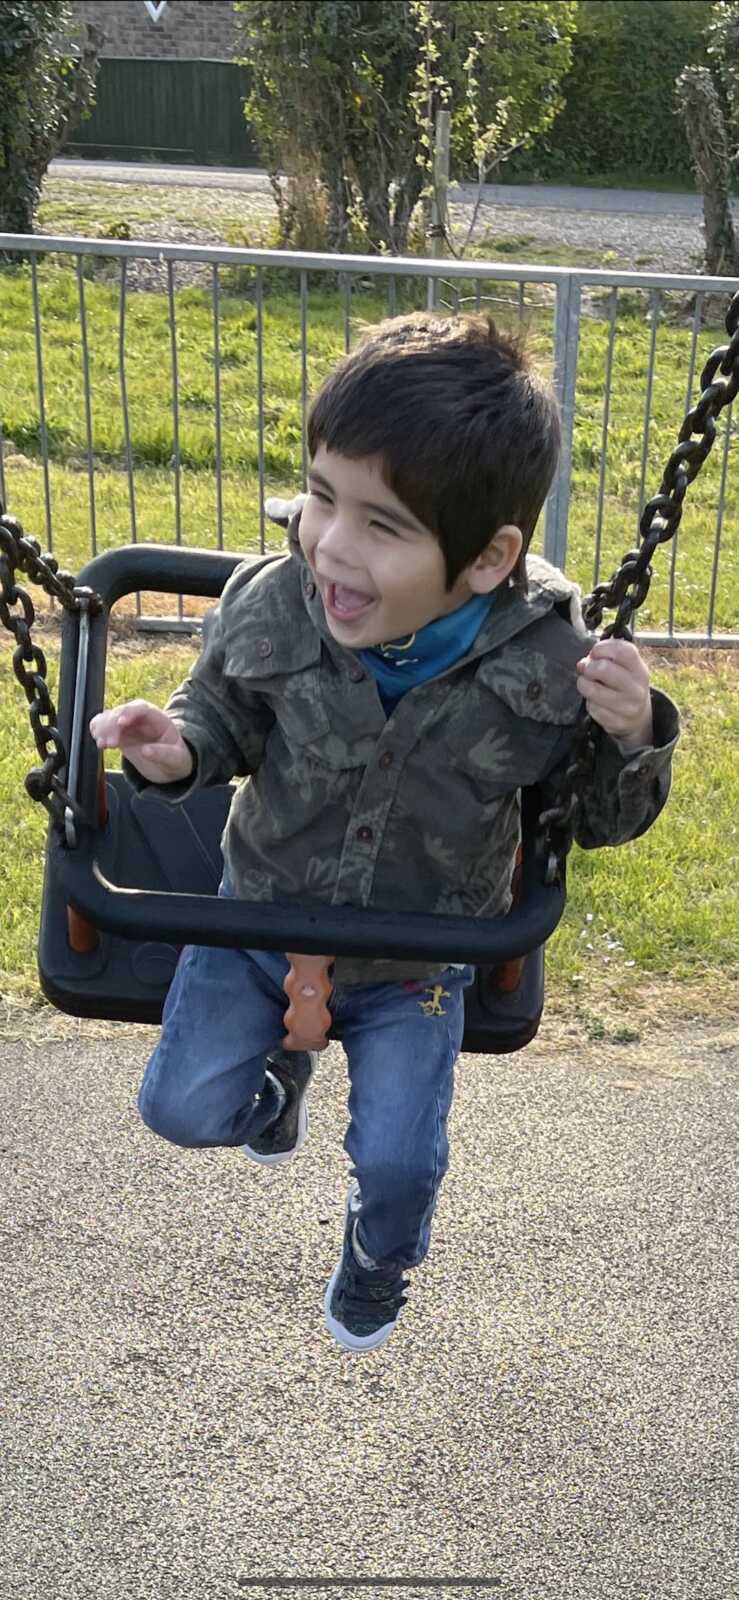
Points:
x=706 y=132
x=338 y=210
x=388 y=218
x=18 y=199
x=406 y=200
x=375 y=195
x=281 y=199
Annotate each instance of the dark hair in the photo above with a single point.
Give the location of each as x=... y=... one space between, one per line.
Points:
x=468 y=433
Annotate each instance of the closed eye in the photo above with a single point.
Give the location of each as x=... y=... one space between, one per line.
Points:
x=326 y=500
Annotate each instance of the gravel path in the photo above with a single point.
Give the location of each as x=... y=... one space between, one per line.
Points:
x=555 y=1416
x=636 y=230
x=645 y=241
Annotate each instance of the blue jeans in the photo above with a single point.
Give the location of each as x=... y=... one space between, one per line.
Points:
x=205 y=1083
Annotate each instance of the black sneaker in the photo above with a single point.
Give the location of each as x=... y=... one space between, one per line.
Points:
x=362 y=1304
x=291 y=1071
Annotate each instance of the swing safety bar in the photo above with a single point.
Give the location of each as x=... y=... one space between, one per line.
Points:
x=308 y=927
x=311 y=929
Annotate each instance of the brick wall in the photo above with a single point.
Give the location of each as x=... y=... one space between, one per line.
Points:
x=187 y=29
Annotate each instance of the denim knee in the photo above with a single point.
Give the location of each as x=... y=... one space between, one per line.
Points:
x=404 y=1186
x=168 y=1119
x=192 y=1121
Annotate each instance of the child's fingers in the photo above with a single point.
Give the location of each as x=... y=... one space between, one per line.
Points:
x=615 y=662
x=616 y=649
x=109 y=728
x=604 y=674
x=624 y=715
x=606 y=697
x=103 y=728
x=622 y=651
x=607 y=677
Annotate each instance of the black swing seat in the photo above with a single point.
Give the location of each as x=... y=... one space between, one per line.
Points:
x=146 y=879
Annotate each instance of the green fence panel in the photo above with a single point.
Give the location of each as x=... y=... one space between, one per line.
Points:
x=164 y=110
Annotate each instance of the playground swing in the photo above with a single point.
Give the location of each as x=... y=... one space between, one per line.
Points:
x=130 y=879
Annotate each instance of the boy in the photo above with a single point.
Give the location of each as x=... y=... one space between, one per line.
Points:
x=383 y=691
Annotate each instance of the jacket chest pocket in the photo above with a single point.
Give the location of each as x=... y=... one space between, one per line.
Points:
x=300 y=710
x=328 y=741
x=519 y=709
x=309 y=731
x=288 y=679
x=318 y=726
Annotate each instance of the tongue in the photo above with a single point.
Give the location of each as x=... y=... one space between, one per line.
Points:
x=350 y=599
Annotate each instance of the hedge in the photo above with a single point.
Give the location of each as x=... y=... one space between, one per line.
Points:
x=619 y=116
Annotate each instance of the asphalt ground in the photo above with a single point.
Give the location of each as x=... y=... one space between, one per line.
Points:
x=547 y=197
x=555 y=1415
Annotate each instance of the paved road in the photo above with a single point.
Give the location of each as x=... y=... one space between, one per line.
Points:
x=527 y=196
x=555 y=1417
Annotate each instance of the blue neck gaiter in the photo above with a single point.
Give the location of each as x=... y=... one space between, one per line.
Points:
x=402 y=663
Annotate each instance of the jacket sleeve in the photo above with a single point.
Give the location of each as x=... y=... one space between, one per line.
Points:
x=225 y=724
x=627 y=790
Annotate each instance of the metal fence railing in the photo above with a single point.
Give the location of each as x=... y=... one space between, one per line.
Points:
x=159 y=392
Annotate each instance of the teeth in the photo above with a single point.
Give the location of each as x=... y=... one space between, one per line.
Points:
x=349 y=599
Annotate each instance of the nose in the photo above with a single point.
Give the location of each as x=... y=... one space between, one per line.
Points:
x=337 y=545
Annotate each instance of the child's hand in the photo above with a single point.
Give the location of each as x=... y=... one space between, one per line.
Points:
x=615 y=683
x=147 y=737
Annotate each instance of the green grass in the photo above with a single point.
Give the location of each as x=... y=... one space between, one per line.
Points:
x=522 y=247
x=662 y=910
x=667 y=902
x=150 y=390
x=95 y=208
x=614 y=178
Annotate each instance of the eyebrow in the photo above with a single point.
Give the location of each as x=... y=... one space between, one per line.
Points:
x=371 y=505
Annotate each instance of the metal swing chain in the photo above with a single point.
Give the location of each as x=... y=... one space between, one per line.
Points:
x=629 y=585
x=18 y=551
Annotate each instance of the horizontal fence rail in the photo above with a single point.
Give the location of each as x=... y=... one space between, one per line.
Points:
x=160 y=392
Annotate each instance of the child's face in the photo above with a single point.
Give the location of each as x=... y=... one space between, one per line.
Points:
x=380 y=572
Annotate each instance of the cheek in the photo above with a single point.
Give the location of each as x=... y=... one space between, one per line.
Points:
x=407 y=580
x=307 y=534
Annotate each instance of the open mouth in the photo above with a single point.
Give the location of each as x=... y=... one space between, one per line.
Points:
x=347 y=605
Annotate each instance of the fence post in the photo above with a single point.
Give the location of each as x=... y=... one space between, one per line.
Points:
x=439 y=211
x=566 y=341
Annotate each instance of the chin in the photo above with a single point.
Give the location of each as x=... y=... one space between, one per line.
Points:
x=353 y=638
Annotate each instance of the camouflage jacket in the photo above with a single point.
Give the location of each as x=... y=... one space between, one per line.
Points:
x=338 y=803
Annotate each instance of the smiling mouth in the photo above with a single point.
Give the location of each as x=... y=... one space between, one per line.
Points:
x=347 y=605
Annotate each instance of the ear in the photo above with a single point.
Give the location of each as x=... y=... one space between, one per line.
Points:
x=496 y=561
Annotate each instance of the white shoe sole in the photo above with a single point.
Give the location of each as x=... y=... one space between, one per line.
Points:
x=352 y=1341
x=284 y=1157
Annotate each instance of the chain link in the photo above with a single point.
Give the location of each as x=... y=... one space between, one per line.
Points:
x=17 y=614
x=629 y=585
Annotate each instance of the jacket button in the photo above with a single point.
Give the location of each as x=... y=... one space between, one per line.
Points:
x=356 y=674
x=387 y=759
x=533 y=690
x=310 y=590
x=365 y=834
x=264 y=648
